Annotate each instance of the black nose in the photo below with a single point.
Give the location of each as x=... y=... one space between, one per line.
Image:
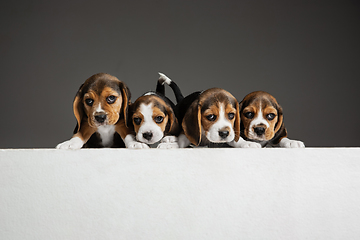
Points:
x=147 y=135
x=223 y=134
x=259 y=131
x=100 y=118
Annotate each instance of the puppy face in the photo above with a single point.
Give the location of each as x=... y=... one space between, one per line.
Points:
x=101 y=100
x=261 y=116
x=152 y=118
x=214 y=118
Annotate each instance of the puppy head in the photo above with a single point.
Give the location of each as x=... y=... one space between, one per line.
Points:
x=213 y=116
x=152 y=119
x=261 y=116
x=101 y=100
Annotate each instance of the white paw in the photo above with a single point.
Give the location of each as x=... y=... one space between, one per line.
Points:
x=137 y=145
x=287 y=143
x=169 y=139
x=183 y=141
x=248 y=144
x=130 y=142
x=168 y=145
x=74 y=143
x=241 y=143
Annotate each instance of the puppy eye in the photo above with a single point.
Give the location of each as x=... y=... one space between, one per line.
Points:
x=211 y=117
x=89 y=102
x=111 y=99
x=159 y=119
x=270 y=116
x=249 y=115
x=137 y=121
x=231 y=116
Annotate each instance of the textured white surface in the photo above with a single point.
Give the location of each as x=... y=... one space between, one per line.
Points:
x=180 y=194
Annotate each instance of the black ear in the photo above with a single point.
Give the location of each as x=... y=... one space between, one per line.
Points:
x=78 y=108
x=192 y=123
x=242 y=127
x=172 y=126
x=126 y=96
x=237 y=123
x=129 y=123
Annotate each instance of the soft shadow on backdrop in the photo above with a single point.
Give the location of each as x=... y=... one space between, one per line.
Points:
x=306 y=54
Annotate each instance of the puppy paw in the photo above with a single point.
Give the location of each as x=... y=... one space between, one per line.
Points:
x=137 y=145
x=74 y=143
x=168 y=145
x=248 y=144
x=169 y=139
x=241 y=143
x=287 y=143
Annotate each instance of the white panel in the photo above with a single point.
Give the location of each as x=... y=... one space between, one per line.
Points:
x=180 y=194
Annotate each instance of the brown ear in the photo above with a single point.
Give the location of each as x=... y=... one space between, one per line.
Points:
x=280 y=121
x=192 y=123
x=237 y=123
x=78 y=108
x=126 y=95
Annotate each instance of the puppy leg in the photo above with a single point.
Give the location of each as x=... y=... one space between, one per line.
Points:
x=130 y=142
x=73 y=143
x=244 y=144
x=287 y=143
x=183 y=141
x=168 y=142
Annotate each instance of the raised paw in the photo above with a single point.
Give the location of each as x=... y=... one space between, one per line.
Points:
x=74 y=143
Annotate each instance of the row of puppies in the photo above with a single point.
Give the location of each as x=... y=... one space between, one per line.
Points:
x=107 y=118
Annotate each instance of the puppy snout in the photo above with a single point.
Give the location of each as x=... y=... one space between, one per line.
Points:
x=100 y=118
x=148 y=135
x=259 y=130
x=224 y=133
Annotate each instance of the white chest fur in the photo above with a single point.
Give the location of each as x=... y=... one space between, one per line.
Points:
x=106 y=134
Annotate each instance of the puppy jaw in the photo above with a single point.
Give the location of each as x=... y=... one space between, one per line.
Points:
x=105 y=107
x=148 y=131
x=221 y=129
x=260 y=127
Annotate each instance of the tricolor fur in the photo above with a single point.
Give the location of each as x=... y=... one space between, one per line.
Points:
x=100 y=108
x=262 y=121
x=208 y=118
x=153 y=119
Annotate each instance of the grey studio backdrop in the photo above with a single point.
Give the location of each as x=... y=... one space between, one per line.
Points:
x=305 y=53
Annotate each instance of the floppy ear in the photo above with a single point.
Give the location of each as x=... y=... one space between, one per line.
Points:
x=237 y=123
x=126 y=95
x=172 y=125
x=192 y=123
x=280 y=121
x=78 y=108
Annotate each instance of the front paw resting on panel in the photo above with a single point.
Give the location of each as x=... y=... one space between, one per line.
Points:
x=244 y=144
x=130 y=142
x=287 y=143
x=74 y=143
x=168 y=142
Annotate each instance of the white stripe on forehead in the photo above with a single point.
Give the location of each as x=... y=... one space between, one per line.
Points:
x=99 y=109
x=147 y=112
x=259 y=119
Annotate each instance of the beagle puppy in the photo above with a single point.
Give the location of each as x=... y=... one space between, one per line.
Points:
x=153 y=118
x=209 y=118
x=262 y=121
x=100 y=108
